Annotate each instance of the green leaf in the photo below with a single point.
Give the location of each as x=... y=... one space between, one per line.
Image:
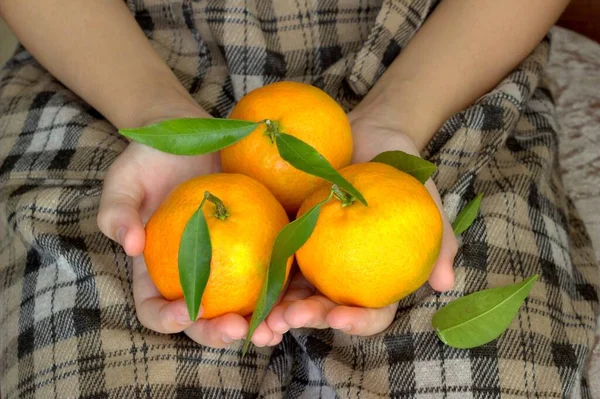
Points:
x=191 y=136
x=417 y=167
x=481 y=317
x=467 y=215
x=288 y=241
x=195 y=254
x=304 y=157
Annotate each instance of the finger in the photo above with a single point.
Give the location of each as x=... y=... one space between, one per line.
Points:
x=165 y=317
x=153 y=311
x=310 y=312
x=262 y=335
x=298 y=288
x=277 y=338
x=219 y=332
x=442 y=276
x=275 y=320
x=118 y=216
x=361 y=321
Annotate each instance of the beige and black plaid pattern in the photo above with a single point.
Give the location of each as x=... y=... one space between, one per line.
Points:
x=67 y=321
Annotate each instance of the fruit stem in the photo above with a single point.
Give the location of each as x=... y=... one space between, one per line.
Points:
x=221 y=211
x=272 y=129
x=345 y=198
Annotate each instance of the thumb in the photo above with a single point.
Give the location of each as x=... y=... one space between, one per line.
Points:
x=118 y=216
x=442 y=276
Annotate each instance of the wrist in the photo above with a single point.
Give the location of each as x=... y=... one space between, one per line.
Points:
x=172 y=105
x=401 y=106
x=204 y=163
x=164 y=103
x=372 y=137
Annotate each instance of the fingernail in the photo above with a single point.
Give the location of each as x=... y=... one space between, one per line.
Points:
x=227 y=339
x=121 y=235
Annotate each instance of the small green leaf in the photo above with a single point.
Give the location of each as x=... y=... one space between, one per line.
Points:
x=191 y=136
x=288 y=241
x=417 y=167
x=481 y=317
x=304 y=157
x=195 y=254
x=467 y=215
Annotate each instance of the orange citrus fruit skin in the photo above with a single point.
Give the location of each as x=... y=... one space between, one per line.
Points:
x=376 y=255
x=301 y=110
x=241 y=244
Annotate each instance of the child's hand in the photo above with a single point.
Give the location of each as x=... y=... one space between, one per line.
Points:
x=372 y=138
x=135 y=185
x=169 y=317
x=303 y=306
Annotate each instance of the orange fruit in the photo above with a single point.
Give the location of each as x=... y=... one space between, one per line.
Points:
x=300 y=110
x=372 y=256
x=241 y=243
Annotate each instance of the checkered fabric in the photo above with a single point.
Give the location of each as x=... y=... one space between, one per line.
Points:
x=68 y=326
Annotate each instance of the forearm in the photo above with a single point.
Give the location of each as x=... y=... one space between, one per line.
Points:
x=97 y=50
x=463 y=50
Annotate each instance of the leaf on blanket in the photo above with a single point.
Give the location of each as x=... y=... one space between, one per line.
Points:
x=467 y=215
x=415 y=166
x=191 y=136
x=481 y=317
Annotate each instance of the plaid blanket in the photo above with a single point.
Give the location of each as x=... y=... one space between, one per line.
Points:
x=68 y=326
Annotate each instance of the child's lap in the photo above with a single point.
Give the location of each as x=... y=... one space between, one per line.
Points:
x=67 y=319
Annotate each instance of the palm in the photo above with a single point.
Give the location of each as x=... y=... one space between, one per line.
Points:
x=157 y=173
x=303 y=306
x=372 y=139
x=136 y=184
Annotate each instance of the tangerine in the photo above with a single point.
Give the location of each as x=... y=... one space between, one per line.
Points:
x=372 y=256
x=241 y=239
x=300 y=110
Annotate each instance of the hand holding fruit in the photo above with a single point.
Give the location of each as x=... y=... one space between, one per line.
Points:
x=373 y=136
x=385 y=250
x=304 y=306
x=136 y=184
